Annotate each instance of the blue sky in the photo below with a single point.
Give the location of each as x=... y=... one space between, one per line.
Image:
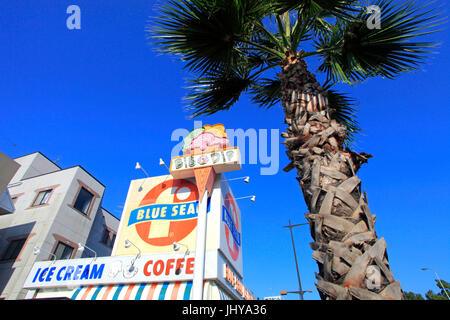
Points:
x=102 y=98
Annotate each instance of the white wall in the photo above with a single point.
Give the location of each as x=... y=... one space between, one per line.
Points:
x=33 y=165
x=71 y=223
x=8 y=168
x=44 y=225
x=32 y=221
x=102 y=220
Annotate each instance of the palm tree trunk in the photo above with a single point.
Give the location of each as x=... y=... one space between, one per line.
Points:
x=353 y=262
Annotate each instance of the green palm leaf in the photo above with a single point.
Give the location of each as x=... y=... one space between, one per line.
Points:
x=230 y=44
x=215 y=91
x=351 y=51
x=340 y=8
x=207 y=34
x=266 y=92
x=343 y=109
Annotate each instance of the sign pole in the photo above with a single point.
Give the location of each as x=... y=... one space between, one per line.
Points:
x=290 y=226
x=200 y=250
x=206 y=149
x=204 y=177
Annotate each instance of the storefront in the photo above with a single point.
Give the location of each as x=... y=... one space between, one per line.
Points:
x=154 y=255
x=147 y=277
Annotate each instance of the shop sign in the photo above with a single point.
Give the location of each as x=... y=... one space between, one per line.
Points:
x=231 y=229
x=222 y=161
x=236 y=283
x=121 y=269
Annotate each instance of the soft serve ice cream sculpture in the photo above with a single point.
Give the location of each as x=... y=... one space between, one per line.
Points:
x=206 y=139
x=200 y=147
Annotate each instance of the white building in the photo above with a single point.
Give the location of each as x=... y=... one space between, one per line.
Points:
x=8 y=168
x=55 y=210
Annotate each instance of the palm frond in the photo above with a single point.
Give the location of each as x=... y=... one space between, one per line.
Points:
x=344 y=109
x=215 y=91
x=338 y=8
x=207 y=34
x=266 y=92
x=352 y=52
x=317 y=21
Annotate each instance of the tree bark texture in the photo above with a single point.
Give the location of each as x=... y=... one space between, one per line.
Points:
x=352 y=260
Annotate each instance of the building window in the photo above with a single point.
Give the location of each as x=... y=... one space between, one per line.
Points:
x=108 y=238
x=83 y=201
x=14 y=248
x=63 y=251
x=105 y=236
x=15 y=197
x=42 y=198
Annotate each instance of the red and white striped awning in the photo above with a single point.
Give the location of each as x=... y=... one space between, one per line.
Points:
x=148 y=291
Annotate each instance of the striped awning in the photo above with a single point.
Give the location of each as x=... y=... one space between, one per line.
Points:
x=147 y=291
x=142 y=291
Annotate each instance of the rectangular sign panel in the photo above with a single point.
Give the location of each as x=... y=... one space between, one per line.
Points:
x=123 y=269
x=230 y=228
x=222 y=161
x=162 y=210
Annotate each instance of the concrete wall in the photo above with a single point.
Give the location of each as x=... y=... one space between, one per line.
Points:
x=8 y=168
x=70 y=224
x=33 y=165
x=57 y=220
x=32 y=222
x=103 y=221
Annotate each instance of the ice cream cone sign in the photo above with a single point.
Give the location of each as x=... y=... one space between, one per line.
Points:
x=204 y=178
x=206 y=151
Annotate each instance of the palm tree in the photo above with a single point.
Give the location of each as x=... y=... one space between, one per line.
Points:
x=232 y=46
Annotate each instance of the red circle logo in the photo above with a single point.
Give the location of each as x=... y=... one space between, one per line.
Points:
x=233 y=246
x=182 y=191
